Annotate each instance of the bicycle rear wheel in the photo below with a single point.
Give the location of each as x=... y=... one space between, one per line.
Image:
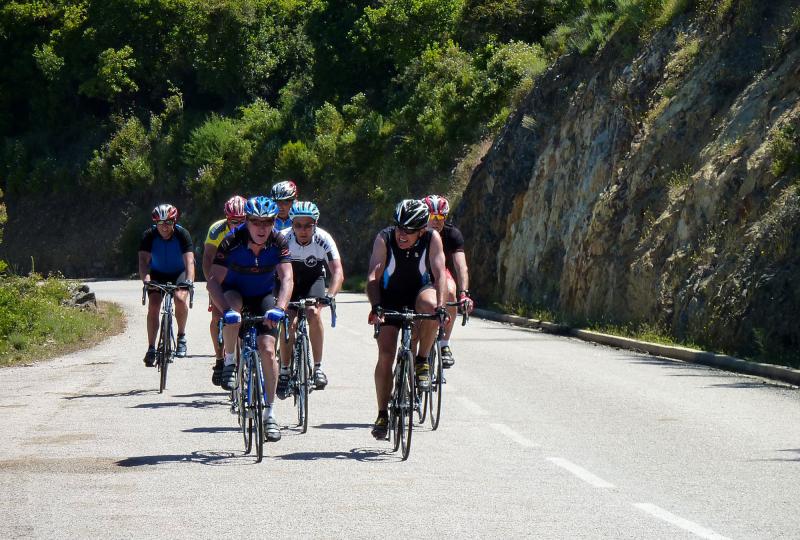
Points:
x=165 y=350
x=394 y=404
x=437 y=390
x=303 y=384
x=245 y=414
x=423 y=401
x=259 y=399
x=406 y=395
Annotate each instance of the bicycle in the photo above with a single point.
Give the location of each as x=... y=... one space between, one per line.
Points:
x=301 y=368
x=250 y=390
x=426 y=400
x=402 y=401
x=166 y=339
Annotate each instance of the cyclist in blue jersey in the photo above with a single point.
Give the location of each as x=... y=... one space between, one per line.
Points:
x=166 y=255
x=284 y=194
x=243 y=277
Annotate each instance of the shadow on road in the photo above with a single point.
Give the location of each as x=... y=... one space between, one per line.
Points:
x=196 y=404
x=199 y=356
x=789 y=458
x=203 y=457
x=344 y=427
x=357 y=454
x=129 y=393
x=219 y=429
x=204 y=394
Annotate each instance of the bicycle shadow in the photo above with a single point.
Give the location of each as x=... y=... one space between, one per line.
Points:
x=344 y=427
x=202 y=457
x=220 y=393
x=219 y=429
x=357 y=454
x=196 y=404
x=129 y=393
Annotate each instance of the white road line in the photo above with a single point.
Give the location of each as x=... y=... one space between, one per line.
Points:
x=473 y=407
x=514 y=436
x=685 y=524
x=580 y=472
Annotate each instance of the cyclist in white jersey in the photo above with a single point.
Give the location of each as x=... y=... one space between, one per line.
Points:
x=311 y=247
x=284 y=194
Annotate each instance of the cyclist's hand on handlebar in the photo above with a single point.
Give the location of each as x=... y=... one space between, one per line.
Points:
x=467 y=303
x=441 y=311
x=188 y=283
x=232 y=317
x=273 y=316
x=376 y=315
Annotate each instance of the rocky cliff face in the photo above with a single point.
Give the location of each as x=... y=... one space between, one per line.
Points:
x=662 y=188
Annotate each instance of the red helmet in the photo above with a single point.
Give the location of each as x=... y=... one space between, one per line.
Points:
x=437 y=205
x=164 y=212
x=234 y=208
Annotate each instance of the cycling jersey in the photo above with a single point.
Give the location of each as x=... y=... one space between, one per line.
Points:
x=307 y=261
x=249 y=274
x=406 y=271
x=166 y=256
x=217 y=232
x=282 y=224
x=452 y=242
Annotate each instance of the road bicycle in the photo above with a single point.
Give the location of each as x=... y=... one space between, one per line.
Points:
x=250 y=389
x=402 y=401
x=165 y=350
x=301 y=367
x=430 y=402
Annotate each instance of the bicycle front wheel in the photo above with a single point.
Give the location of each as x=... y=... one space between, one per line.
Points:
x=406 y=398
x=259 y=399
x=303 y=375
x=241 y=393
x=165 y=350
x=437 y=390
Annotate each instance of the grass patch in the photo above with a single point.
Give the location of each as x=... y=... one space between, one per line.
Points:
x=36 y=324
x=785 y=150
x=356 y=283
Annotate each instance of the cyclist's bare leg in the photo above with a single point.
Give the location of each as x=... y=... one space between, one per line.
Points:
x=316 y=332
x=214 y=329
x=387 y=346
x=453 y=311
x=153 y=316
x=269 y=363
x=230 y=332
x=286 y=348
x=426 y=303
x=181 y=309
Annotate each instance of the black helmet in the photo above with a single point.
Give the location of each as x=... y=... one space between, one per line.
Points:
x=411 y=214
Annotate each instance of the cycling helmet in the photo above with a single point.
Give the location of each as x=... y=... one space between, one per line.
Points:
x=234 y=208
x=165 y=211
x=304 y=209
x=262 y=207
x=284 y=191
x=411 y=214
x=437 y=205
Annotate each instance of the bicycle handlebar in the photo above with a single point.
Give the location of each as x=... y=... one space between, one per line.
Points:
x=323 y=301
x=409 y=316
x=464 y=313
x=167 y=288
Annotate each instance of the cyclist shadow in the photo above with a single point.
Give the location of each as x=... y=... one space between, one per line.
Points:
x=195 y=404
x=344 y=427
x=202 y=457
x=357 y=454
x=129 y=393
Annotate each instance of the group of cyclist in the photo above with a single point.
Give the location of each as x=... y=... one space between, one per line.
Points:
x=268 y=251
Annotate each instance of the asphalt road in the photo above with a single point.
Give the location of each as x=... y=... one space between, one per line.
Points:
x=541 y=436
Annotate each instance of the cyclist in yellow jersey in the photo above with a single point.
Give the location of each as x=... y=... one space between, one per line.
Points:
x=234 y=216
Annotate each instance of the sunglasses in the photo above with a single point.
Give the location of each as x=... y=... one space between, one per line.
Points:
x=408 y=231
x=169 y=222
x=261 y=222
x=438 y=217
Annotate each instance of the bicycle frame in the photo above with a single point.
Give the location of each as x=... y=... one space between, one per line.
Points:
x=250 y=390
x=166 y=338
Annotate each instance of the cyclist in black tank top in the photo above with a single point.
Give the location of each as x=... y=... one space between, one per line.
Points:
x=406 y=269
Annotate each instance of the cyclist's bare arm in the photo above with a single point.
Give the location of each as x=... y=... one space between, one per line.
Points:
x=286 y=277
x=462 y=272
x=438 y=268
x=209 y=251
x=144 y=265
x=376 y=263
x=188 y=261
x=214 y=281
x=337 y=276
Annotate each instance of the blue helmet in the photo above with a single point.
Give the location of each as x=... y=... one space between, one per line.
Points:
x=261 y=207
x=304 y=209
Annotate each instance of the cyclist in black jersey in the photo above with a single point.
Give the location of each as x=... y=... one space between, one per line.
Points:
x=456 y=263
x=406 y=270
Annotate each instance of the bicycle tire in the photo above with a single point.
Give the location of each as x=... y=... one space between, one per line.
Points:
x=423 y=402
x=166 y=344
x=437 y=389
x=407 y=405
x=303 y=384
x=394 y=405
x=259 y=398
x=245 y=416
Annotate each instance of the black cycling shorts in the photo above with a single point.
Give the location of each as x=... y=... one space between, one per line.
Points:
x=313 y=289
x=396 y=302
x=258 y=305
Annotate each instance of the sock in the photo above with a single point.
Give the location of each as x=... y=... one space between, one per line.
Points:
x=383 y=414
x=268 y=410
x=284 y=370
x=229 y=360
x=317 y=366
x=421 y=360
x=181 y=335
x=444 y=343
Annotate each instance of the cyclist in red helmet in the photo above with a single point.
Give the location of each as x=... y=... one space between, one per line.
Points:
x=456 y=263
x=234 y=216
x=166 y=255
